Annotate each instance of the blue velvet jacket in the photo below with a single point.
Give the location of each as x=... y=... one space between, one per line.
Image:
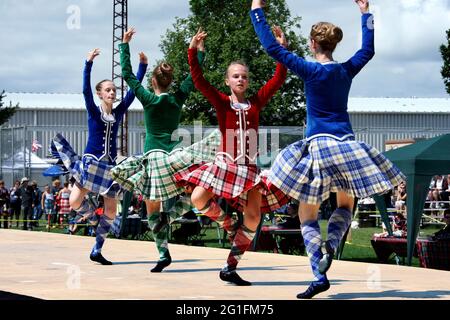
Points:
x=102 y=140
x=327 y=85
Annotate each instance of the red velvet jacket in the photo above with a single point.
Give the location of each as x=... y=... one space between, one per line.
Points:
x=238 y=126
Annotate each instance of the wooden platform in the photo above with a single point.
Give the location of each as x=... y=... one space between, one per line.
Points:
x=55 y=266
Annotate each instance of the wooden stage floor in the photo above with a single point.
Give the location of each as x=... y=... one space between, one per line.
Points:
x=57 y=267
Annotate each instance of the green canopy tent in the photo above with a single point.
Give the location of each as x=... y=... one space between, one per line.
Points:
x=419 y=162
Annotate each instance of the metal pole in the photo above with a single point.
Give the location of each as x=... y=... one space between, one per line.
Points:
x=120 y=24
x=29 y=160
x=12 y=153
x=24 y=151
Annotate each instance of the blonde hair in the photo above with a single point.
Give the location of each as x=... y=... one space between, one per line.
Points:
x=327 y=35
x=163 y=75
x=237 y=62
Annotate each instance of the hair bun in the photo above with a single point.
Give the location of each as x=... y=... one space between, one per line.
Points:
x=163 y=74
x=327 y=35
x=166 y=68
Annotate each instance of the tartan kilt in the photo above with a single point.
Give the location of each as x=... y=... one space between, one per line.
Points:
x=309 y=170
x=152 y=175
x=88 y=172
x=232 y=181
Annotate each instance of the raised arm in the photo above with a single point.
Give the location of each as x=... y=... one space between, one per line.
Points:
x=367 y=51
x=295 y=63
x=213 y=95
x=187 y=86
x=128 y=100
x=144 y=95
x=87 y=90
x=272 y=86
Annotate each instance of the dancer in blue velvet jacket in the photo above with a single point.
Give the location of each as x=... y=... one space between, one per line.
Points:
x=329 y=159
x=92 y=171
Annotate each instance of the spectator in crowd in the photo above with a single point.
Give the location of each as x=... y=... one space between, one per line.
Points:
x=63 y=203
x=15 y=202
x=444 y=233
x=56 y=187
x=292 y=220
x=37 y=207
x=26 y=196
x=445 y=194
x=399 y=225
x=4 y=204
x=437 y=186
x=48 y=204
x=400 y=200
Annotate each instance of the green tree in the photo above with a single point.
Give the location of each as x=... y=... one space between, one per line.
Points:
x=231 y=37
x=6 y=112
x=445 y=71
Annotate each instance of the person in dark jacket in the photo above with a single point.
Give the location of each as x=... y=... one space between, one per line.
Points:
x=26 y=196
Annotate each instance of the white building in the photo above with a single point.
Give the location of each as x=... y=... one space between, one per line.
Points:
x=374 y=120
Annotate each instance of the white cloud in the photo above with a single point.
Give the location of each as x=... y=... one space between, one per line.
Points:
x=412 y=29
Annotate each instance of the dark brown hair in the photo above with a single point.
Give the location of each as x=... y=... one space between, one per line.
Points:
x=163 y=75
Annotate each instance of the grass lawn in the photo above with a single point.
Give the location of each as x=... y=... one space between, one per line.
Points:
x=359 y=249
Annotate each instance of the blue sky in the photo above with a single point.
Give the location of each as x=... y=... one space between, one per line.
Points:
x=44 y=42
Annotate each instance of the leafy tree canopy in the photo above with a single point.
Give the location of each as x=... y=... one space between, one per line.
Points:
x=7 y=111
x=445 y=71
x=231 y=37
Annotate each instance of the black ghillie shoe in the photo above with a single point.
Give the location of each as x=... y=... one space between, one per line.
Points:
x=162 y=222
x=327 y=258
x=162 y=264
x=233 y=277
x=100 y=259
x=314 y=288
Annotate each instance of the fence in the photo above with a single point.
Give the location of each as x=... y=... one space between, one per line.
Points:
x=15 y=155
x=16 y=142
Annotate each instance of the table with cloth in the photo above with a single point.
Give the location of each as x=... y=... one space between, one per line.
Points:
x=385 y=246
x=434 y=254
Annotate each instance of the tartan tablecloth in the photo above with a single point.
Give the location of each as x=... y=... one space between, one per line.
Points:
x=384 y=247
x=434 y=254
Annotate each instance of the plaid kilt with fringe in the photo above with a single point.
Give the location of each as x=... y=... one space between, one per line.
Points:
x=309 y=170
x=88 y=172
x=232 y=181
x=152 y=175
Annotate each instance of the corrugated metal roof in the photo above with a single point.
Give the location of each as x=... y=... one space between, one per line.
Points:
x=64 y=101
x=399 y=105
x=355 y=104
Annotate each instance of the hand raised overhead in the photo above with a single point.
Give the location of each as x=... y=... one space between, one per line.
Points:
x=127 y=36
x=363 y=5
x=258 y=4
x=198 y=40
x=279 y=35
x=92 y=54
x=143 y=58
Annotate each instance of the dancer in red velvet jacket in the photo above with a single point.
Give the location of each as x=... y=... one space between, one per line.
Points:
x=233 y=175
